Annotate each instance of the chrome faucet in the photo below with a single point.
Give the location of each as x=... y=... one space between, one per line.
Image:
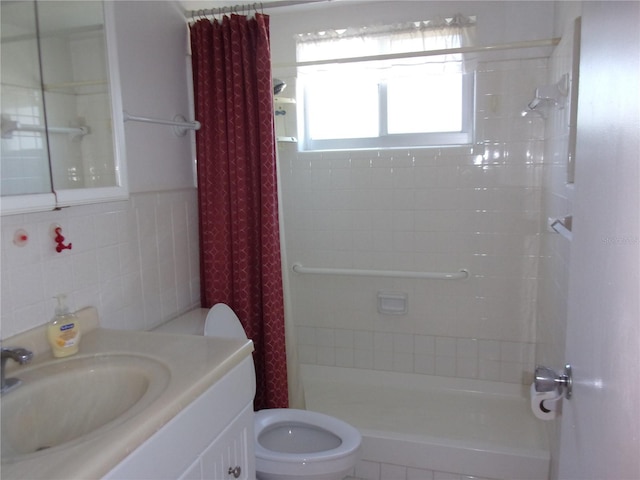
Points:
x=21 y=356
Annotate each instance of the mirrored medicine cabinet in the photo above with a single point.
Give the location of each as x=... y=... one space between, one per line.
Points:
x=61 y=109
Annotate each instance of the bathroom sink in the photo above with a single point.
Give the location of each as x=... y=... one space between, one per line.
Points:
x=68 y=401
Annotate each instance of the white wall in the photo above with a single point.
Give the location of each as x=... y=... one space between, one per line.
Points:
x=152 y=47
x=137 y=260
x=425 y=210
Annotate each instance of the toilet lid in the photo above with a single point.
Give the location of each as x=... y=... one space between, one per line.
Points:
x=221 y=321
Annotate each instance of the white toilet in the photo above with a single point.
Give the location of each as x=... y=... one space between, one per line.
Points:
x=293 y=444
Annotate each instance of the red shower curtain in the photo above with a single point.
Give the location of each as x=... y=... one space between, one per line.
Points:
x=237 y=189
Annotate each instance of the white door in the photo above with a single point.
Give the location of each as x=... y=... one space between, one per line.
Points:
x=600 y=429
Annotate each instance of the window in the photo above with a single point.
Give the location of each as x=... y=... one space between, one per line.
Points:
x=406 y=100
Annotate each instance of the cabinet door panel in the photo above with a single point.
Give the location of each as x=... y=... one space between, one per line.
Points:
x=230 y=456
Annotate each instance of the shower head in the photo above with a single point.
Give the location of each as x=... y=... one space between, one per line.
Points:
x=278 y=86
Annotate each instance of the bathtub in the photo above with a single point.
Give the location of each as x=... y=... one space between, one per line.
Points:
x=419 y=426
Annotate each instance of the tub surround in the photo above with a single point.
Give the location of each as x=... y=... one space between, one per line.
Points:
x=195 y=363
x=425 y=209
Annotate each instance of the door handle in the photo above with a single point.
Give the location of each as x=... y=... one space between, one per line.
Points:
x=547 y=380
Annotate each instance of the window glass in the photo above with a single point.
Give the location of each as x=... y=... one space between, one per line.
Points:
x=425 y=103
x=340 y=106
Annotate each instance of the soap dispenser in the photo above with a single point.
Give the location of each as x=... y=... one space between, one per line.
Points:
x=63 y=331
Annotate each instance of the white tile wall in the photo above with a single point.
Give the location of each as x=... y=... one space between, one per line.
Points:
x=439 y=209
x=424 y=354
x=136 y=261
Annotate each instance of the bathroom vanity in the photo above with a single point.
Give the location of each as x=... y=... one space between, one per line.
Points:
x=130 y=405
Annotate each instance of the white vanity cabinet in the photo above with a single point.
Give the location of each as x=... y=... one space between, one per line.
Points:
x=212 y=438
x=230 y=455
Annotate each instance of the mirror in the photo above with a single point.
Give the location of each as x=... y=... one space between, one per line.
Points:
x=25 y=158
x=62 y=134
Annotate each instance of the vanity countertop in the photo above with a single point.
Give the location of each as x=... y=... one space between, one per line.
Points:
x=195 y=364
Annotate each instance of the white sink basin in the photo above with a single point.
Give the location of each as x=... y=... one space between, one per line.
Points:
x=64 y=402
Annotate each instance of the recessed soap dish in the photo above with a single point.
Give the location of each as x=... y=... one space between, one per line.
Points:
x=390 y=303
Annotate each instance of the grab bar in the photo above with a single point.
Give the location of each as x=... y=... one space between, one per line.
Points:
x=461 y=275
x=179 y=123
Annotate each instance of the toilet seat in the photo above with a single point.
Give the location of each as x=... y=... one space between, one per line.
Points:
x=335 y=459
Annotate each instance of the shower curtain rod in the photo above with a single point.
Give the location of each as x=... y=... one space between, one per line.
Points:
x=192 y=15
x=549 y=42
